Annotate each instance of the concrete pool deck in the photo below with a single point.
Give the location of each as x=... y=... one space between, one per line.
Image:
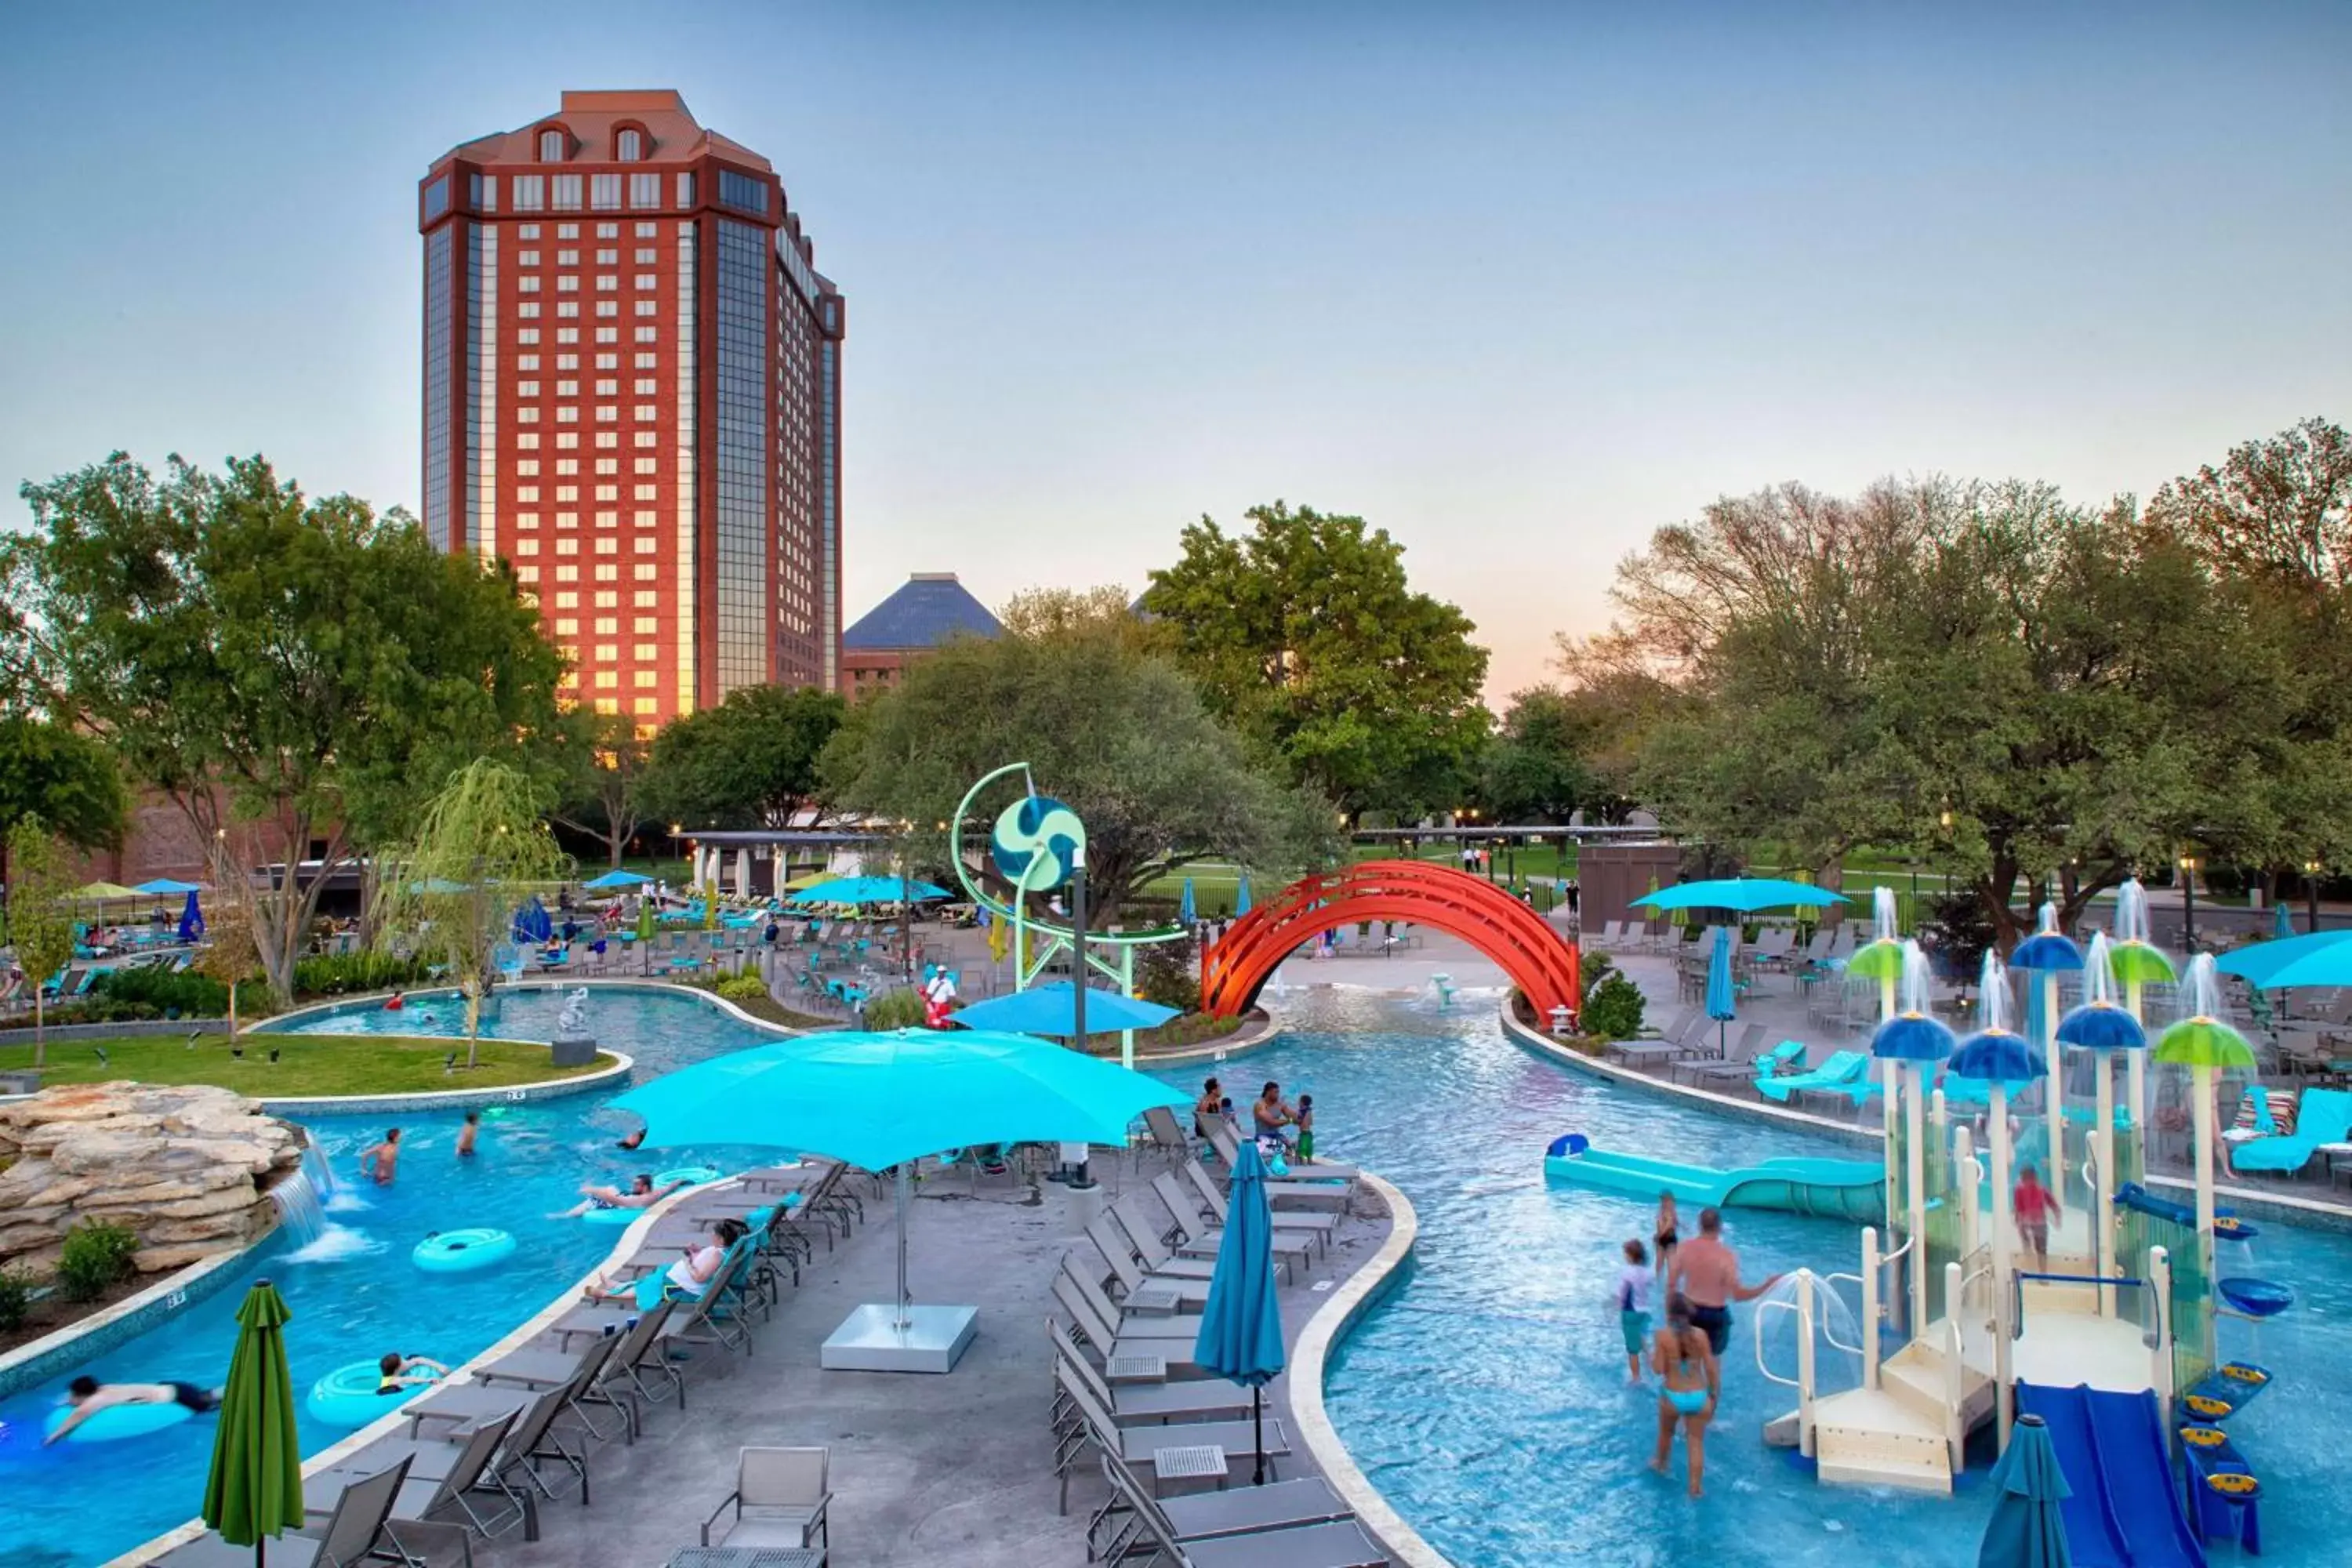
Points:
x=925 y=1471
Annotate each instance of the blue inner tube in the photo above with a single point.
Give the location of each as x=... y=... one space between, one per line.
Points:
x=347 y=1396
x=116 y=1422
x=692 y=1175
x=456 y=1252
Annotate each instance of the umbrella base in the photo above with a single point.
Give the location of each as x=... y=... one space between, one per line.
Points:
x=871 y=1340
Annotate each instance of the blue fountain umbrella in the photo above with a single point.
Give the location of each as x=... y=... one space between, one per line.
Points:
x=612 y=880
x=1241 y=897
x=1184 y=910
x=1240 y=1325
x=1722 y=1000
x=1052 y=1008
x=870 y=891
x=2027 y=1527
x=192 y=920
x=1745 y=895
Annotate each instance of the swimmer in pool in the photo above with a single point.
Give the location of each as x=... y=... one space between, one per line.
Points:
x=640 y=1195
x=1689 y=1382
x=632 y=1140
x=396 y=1374
x=468 y=1133
x=89 y=1396
x=382 y=1160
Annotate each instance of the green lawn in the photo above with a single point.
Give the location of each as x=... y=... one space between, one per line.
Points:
x=307 y=1064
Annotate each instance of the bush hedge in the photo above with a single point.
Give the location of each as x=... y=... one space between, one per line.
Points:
x=96 y=1258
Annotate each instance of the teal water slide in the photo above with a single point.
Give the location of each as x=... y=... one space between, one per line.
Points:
x=1841 y=1189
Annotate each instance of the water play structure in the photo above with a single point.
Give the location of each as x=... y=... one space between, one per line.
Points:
x=1842 y=1189
x=1540 y=961
x=2109 y=1335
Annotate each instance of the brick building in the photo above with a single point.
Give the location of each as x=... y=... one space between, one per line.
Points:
x=925 y=611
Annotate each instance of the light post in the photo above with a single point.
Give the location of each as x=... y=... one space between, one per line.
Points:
x=2189 y=902
x=2311 y=869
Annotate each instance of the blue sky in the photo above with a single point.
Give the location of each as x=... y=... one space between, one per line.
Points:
x=1518 y=283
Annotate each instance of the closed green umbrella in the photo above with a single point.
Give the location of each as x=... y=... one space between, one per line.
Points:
x=255 y=1486
x=2027 y=1527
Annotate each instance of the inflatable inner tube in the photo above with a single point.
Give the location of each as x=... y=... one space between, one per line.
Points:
x=116 y=1422
x=692 y=1175
x=458 y=1251
x=347 y=1396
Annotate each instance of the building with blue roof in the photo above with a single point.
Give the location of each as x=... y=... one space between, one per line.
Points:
x=927 y=609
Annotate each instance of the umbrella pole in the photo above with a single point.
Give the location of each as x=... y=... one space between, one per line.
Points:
x=1257 y=1429
x=2054 y=1103
x=905 y=1185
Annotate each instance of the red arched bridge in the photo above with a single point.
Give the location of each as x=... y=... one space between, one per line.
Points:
x=1539 y=961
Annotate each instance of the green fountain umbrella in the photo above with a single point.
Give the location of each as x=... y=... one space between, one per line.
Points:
x=2027 y=1527
x=255 y=1488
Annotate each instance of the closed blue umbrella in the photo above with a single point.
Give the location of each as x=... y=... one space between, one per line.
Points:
x=1051 y=1009
x=1722 y=1001
x=531 y=924
x=192 y=920
x=1184 y=910
x=2027 y=1527
x=1241 y=897
x=2281 y=924
x=1240 y=1325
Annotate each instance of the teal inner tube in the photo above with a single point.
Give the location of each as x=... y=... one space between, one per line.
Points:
x=347 y=1396
x=692 y=1175
x=458 y=1251
x=116 y=1422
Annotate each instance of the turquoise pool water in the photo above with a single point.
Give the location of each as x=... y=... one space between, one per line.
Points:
x=1486 y=1395
x=354 y=1293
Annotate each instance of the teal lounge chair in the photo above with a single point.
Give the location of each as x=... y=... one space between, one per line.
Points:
x=2321 y=1116
x=1839 y=1073
x=1787 y=1057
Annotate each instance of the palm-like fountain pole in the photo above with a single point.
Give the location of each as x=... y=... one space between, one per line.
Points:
x=2046 y=954
x=1881 y=959
x=1906 y=1042
x=2102 y=1025
x=2205 y=1045
x=2137 y=962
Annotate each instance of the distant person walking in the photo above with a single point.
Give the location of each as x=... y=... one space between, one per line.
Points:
x=2035 y=1207
x=1706 y=1274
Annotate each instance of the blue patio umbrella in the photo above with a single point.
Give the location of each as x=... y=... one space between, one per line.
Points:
x=1052 y=1008
x=166 y=887
x=1240 y=1325
x=876 y=1100
x=1744 y=894
x=869 y=891
x=1184 y=910
x=192 y=920
x=2294 y=961
x=1241 y=897
x=611 y=879
x=2282 y=922
x=1722 y=1000
x=2027 y=1527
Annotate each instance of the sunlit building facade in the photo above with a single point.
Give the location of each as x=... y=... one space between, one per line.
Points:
x=633 y=395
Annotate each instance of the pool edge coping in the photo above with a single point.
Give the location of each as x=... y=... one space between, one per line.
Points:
x=26 y=1365
x=391 y=1424
x=1331 y=1323
x=2284 y=1208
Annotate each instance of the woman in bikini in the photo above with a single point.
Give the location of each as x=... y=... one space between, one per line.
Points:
x=1689 y=1382
x=1663 y=1236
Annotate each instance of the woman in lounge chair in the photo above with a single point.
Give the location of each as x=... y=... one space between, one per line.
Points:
x=691 y=1275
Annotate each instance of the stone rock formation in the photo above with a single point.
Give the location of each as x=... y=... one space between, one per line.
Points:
x=186 y=1168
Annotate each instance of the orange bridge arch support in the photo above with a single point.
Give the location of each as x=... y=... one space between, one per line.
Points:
x=1540 y=961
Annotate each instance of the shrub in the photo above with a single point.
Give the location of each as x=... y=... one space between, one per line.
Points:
x=895 y=1010
x=96 y=1258
x=741 y=987
x=16 y=1300
x=1612 y=1008
x=343 y=973
x=182 y=993
x=1164 y=974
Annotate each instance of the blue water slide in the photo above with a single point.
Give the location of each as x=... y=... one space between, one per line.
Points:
x=2125 y=1508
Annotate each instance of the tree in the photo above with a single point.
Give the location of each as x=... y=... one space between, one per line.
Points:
x=1117 y=734
x=65 y=778
x=604 y=781
x=1048 y=611
x=291 y=673
x=40 y=922
x=1535 y=768
x=1305 y=636
x=480 y=852
x=752 y=759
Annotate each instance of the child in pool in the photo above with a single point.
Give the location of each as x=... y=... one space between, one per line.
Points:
x=1690 y=1380
x=396 y=1374
x=1305 y=1122
x=382 y=1160
x=1633 y=1282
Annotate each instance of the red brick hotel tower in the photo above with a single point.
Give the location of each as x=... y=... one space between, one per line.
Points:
x=633 y=393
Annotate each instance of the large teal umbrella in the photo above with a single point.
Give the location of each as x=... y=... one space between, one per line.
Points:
x=255 y=1488
x=1744 y=894
x=1722 y=999
x=2321 y=958
x=1052 y=1008
x=882 y=1098
x=1240 y=1325
x=616 y=879
x=2028 y=1528
x=869 y=891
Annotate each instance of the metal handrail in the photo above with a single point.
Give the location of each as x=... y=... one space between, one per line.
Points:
x=1762 y=1308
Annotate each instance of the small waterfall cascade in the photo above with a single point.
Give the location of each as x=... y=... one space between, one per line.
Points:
x=301 y=1200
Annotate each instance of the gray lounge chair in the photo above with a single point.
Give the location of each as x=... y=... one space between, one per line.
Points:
x=1193 y=1237
x=780 y=1499
x=1148 y=1234
x=348 y=1540
x=613 y=1384
x=1227 y=1146
x=1149 y=1404
x=1213 y=1202
x=531 y=1438
x=1164 y=1358
x=1208 y=1516
x=1340 y=1543
x=1140 y=1290
x=1140 y=1447
x=576 y=1377
x=414 y=1508
x=1155 y=1316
